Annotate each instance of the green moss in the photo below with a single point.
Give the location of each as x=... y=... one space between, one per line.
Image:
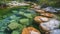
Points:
x=15 y=32
x=21 y=27
x=13 y=25
x=28 y=15
x=24 y=21
x=21 y=13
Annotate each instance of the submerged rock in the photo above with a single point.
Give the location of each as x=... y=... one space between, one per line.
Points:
x=13 y=25
x=15 y=32
x=24 y=21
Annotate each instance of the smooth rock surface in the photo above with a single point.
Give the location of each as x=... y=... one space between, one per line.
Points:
x=57 y=31
x=50 y=9
x=50 y=25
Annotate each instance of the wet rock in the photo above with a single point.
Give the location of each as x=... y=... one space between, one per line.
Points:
x=50 y=9
x=30 y=30
x=47 y=14
x=41 y=19
x=58 y=9
x=15 y=3
x=35 y=6
x=40 y=11
x=50 y=25
x=57 y=31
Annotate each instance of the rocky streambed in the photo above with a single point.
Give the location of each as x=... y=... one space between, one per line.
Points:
x=31 y=20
